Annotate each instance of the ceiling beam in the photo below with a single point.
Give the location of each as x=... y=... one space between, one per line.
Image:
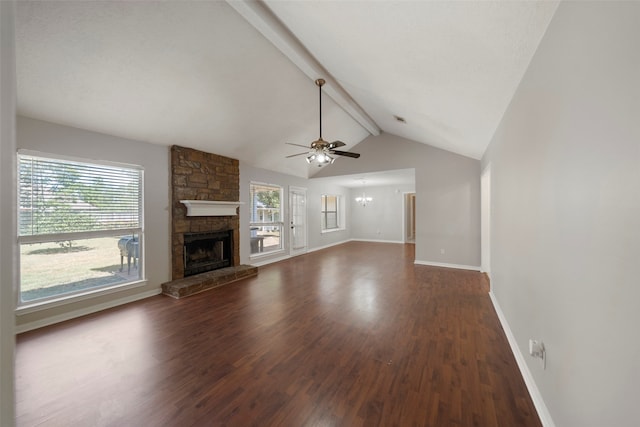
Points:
x=260 y=16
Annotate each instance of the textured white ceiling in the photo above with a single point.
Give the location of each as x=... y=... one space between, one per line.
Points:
x=187 y=73
x=449 y=68
x=196 y=73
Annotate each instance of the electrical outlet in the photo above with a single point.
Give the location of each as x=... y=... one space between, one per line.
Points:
x=536 y=349
x=442 y=251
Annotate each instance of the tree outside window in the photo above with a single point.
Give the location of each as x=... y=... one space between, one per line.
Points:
x=266 y=223
x=79 y=226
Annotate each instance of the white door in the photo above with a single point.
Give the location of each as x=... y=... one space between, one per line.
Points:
x=297 y=220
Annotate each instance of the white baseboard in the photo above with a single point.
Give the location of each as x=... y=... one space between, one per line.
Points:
x=538 y=402
x=443 y=264
x=376 y=241
x=319 y=248
x=84 y=311
x=283 y=257
x=266 y=261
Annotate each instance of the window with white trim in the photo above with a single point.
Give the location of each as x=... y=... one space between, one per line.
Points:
x=329 y=212
x=266 y=218
x=79 y=226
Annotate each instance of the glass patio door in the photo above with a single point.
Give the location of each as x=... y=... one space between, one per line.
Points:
x=298 y=220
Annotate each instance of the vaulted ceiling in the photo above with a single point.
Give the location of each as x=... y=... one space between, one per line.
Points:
x=236 y=78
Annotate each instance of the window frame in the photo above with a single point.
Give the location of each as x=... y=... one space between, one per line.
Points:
x=279 y=223
x=66 y=297
x=340 y=213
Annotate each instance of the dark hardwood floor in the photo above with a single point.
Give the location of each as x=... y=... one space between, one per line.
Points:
x=354 y=335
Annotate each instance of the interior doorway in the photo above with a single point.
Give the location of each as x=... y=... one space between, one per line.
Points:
x=409 y=217
x=485 y=221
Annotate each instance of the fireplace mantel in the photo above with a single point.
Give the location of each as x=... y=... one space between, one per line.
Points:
x=210 y=207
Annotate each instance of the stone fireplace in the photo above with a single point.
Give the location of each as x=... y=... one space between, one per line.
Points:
x=207 y=251
x=205 y=248
x=196 y=175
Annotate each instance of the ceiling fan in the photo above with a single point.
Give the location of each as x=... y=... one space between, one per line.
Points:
x=322 y=151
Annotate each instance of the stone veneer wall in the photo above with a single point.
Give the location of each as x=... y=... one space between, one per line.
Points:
x=196 y=175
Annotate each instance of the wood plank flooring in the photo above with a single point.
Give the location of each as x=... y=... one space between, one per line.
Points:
x=353 y=335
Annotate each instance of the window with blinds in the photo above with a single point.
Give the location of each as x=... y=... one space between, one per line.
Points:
x=329 y=212
x=79 y=225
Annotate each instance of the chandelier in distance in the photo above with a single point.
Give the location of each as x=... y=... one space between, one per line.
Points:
x=364 y=200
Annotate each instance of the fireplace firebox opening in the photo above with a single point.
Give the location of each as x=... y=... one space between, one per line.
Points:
x=207 y=251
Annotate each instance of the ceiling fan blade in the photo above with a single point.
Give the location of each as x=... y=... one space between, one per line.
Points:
x=336 y=144
x=295 y=155
x=345 y=153
x=297 y=145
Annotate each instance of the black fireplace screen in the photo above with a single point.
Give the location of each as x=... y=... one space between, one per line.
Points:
x=207 y=251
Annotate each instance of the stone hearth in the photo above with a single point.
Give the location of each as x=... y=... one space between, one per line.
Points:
x=203 y=282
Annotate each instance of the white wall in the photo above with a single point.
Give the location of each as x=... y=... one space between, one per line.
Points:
x=447 y=195
x=383 y=218
x=315 y=238
x=565 y=231
x=7 y=212
x=56 y=139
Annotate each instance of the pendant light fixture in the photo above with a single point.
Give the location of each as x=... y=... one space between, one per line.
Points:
x=364 y=200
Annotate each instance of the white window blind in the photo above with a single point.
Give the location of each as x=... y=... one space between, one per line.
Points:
x=62 y=196
x=329 y=212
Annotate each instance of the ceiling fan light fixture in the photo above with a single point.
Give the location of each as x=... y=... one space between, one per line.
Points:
x=320 y=150
x=311 y=157
x=324 y=158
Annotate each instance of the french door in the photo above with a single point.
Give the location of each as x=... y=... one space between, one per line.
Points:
x=297 y=220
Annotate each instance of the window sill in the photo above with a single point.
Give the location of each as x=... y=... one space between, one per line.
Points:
x=332 y=230
x=35 y=306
